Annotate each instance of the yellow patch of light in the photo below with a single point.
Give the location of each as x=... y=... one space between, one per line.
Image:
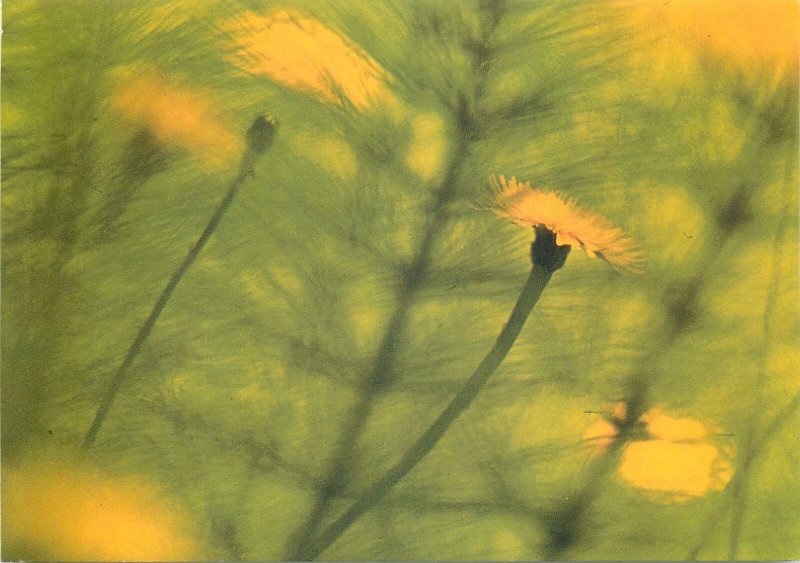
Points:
x=12 y=116
x=664 y=427
x=741 y=294
x=72 y=514
x=176 y=115
x=673 y=225
x=366 y=325
x=426 y=153
x=508 y=545
x=602 y=432
x=675 y=458
x=684 y=470
x=783 y=363
x=749 y=33
x=179 y=385
x=254 y=286
x=627 y=316
x=600 y=435
x=301 y=53
x=520 y=203
x=256 y=394
x=330 y=153
x=287 y=280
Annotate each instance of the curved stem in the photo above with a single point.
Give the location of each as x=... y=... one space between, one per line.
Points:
x=379 y=376
x=382 y=374
x=259 y=137
x=537 y=281
x=740 y=491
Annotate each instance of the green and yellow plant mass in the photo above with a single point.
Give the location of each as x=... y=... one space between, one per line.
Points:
x=422 y=280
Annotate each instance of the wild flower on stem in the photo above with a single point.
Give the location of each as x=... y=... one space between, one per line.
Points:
x=592 y=233
x=558 y=225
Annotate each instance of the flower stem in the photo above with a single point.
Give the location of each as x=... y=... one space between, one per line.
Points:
x=259 y=137
x=537 y=280
x=383 y=374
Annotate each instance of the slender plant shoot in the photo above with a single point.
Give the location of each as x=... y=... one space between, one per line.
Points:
x=259 y=137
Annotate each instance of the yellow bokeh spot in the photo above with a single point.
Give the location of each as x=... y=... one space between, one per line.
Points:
x=255 y=286
x=675 y=458
x=287 y=280
x=508 y=545
x=752 y=35
x=329 y=153
x=744 y=294
x=426 y=153
x=684 y=470
x=673 y=225
x=301 y=53
x=666 y=427
x=366 y=325
x=748 y=32
x=602 y=432
x=600 y=435
x=177 y=116
x=70 y=513
x=627 y=317
x=12 y=116
x=783 y=364
x=256 y=394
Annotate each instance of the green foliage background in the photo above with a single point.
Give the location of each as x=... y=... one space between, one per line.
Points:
x=237 y=402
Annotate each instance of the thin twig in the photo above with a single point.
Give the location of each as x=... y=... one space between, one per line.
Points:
x=382 y=373
x=259 y=136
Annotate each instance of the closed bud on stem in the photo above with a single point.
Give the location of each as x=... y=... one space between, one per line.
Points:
x=261 y=133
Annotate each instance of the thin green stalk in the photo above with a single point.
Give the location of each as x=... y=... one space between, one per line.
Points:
x=740 y=492
x=680 y=306
x=382 y=373
x=738 y=482
x=378 y=377
x=737 y=489
x=259 y=137
x=547 y=258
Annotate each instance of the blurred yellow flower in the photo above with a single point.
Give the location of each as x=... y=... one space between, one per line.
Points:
x=663 y=427
x=301 y=53
x=600 y=434
x=69 y=513
x=680 y=469
x=749 y=32
x=177 y=116
x=520 y=203
x=676 y=458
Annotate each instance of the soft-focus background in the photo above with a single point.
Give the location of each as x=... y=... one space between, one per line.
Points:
x=122 y=126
